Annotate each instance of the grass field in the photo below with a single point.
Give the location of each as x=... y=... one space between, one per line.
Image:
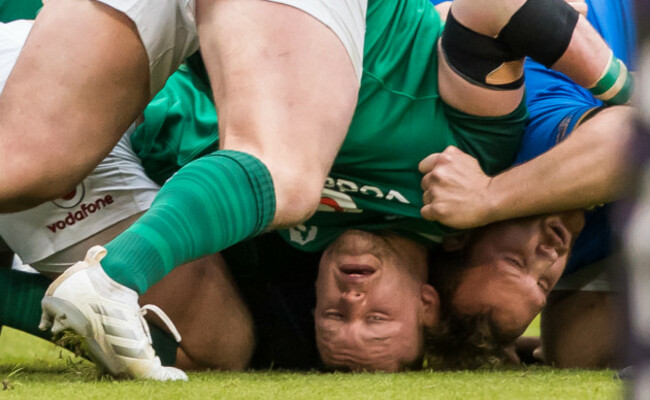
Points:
x=34 y=369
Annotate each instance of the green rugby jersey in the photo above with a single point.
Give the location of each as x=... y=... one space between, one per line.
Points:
x=399 y=120
x=11 y=10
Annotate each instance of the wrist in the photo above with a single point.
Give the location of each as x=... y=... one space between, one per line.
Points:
x=495 y=201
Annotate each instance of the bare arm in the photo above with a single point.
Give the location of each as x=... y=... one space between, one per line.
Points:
x=584 y=170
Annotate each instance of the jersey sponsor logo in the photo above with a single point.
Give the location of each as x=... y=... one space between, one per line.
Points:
x=302 y=235
x=73 y=198
x=84 y=211
x=335 y=189
x=334 y=201
x=562 y=129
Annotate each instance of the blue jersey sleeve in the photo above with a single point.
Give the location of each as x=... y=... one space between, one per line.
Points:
x=554 y=101
x=555 y=104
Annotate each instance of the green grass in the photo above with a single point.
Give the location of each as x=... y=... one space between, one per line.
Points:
x=533 y=328
x=34 y=369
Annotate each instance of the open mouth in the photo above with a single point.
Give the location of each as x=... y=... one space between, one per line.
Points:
x=356 y=271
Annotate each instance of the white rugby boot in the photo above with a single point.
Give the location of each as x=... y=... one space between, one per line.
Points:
x=107 y=316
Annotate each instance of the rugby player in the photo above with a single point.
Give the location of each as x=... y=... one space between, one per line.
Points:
x=168 y=111
x=584 y=170
x=272 y=200
x=54 y=226
x=292 y=211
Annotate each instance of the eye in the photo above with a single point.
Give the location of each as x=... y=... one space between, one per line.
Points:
x=543 y=284
x=335 y=315
x=374 y=318
x=515 y=262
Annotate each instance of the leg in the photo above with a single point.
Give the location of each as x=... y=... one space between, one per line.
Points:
x=277 y=136
x=204 y=303
x=289 y=125
x=500 y=34
x=107 y=89
x=123 y=50
x=579 y=330
x=20 y=308
x=281 y=127
x=20 y=302
x=584 y=59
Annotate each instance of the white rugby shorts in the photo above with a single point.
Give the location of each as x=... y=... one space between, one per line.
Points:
x=12 y=39
x=116 y=190
x=168 y=31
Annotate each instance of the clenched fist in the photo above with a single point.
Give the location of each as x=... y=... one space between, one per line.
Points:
x=456 y=191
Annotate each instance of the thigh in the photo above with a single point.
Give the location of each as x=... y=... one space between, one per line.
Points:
x=579 y=322
x=285 y=89
x=89 y=90
x=167 y=30
x=203 y=301
x=57 y=234
x=73 y=91
x=579 y=329
x=465 y=96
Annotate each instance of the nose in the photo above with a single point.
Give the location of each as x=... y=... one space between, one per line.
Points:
x=547 y=252
x=354 y=296
x=555 y=234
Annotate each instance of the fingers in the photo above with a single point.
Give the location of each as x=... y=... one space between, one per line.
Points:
x=434 y=159
x=538 y=354
x=451 y=188
x=438 y=166
x=429 y=162
x=434 y=211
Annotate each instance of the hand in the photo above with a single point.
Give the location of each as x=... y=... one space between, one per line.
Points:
x=455 y=189
x=529 y=350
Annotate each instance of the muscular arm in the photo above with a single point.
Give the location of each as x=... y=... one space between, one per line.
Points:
x=584 y=170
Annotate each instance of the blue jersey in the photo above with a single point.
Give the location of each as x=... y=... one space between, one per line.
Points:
x=556 y=103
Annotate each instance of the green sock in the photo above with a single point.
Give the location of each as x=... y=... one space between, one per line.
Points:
x=207 y=206
x=20 y=303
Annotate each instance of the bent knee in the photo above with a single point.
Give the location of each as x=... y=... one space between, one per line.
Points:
x=297 y=199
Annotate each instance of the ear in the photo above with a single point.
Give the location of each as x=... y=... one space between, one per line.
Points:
x=430 y=306
x=455 y=242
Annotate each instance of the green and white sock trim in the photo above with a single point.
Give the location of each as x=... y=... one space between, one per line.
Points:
x=207 y=206
x=615 y=84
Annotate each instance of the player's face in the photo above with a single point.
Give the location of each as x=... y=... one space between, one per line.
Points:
x=372 y=303
x=513 y=266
